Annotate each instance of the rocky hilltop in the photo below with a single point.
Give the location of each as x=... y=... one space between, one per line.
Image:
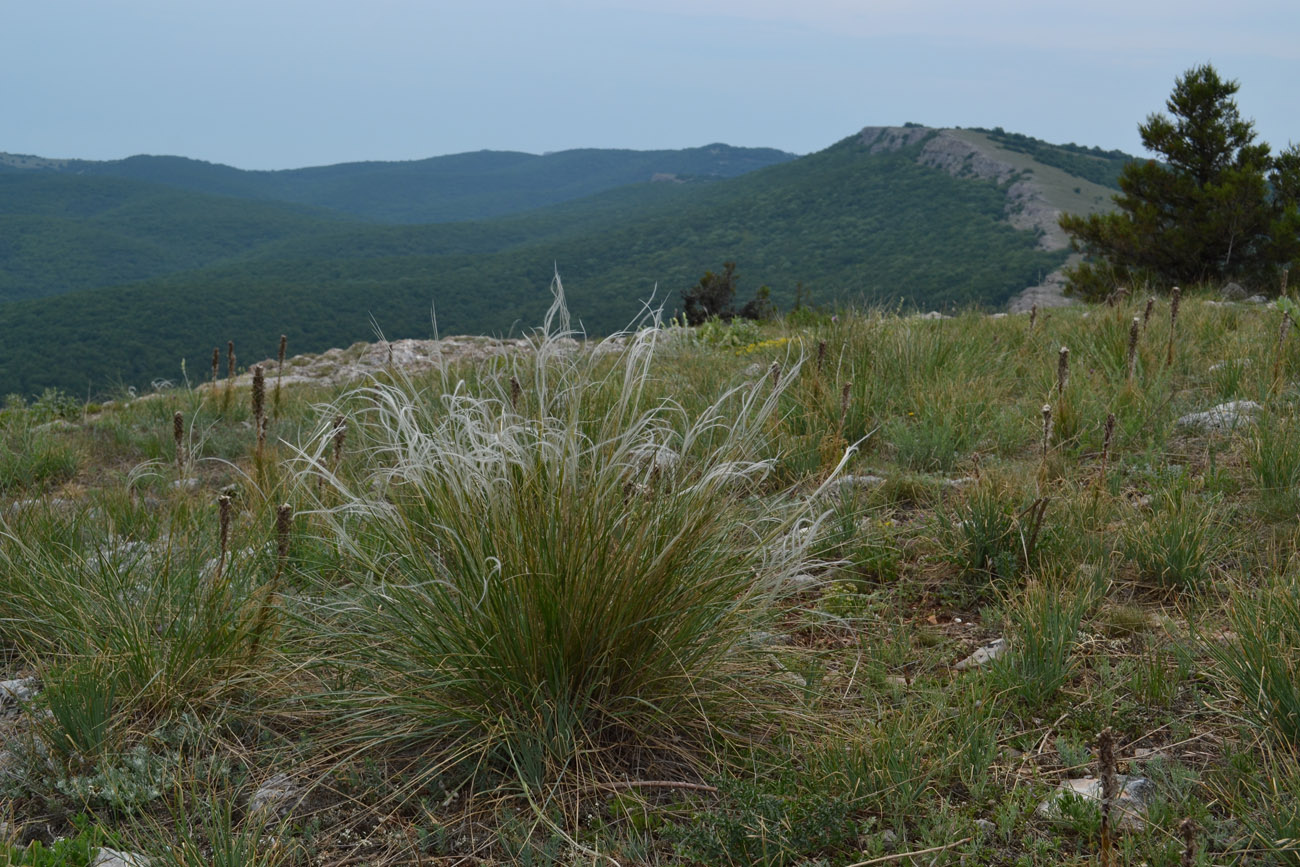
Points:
x=1036 y=195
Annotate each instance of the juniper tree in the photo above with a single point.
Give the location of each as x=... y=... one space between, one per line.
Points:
x=1213 y=206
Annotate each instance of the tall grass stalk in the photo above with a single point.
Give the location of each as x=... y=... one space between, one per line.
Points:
x=1133 y=349
x=279 y=373
x=1175 y=299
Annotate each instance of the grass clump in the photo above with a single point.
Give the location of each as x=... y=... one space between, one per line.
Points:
x=1262 y=660
x=1178 y=544
x=545 y=586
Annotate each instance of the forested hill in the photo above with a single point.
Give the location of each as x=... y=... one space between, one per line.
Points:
x=469 y=186
x=892 y=216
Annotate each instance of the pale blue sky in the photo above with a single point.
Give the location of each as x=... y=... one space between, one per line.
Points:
x=285 y=83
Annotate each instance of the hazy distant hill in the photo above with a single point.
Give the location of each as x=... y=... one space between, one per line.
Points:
x=912 y=216
x=61 y=233
x=470 y=186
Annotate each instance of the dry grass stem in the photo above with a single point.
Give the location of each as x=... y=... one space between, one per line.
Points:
x=1133 y=349
x=1175 y=299
x=279 y=371
x=223 y=513
x=178 y=434
x=1047 y=428
x=1109 y=792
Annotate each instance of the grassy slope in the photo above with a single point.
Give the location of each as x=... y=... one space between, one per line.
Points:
x=1069 y=192
x=1155 y=571
x=847 y=224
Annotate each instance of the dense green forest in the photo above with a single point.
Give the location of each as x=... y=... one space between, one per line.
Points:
x=847 y=224
x=469 y=186
x=61 y=233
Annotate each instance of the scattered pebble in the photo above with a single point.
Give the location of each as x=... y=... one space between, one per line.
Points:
x=983 y=655
x=1222 y=418
x=105 y=857
x=1130 y=806
x=274 y=795
x=13 y=693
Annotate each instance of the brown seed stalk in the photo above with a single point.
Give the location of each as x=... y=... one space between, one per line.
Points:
x=1109 y=791
x=178 y=434
x=1047 y=428
x=259 y=408
x=1146 y=314
x=774 y=373
x=1282 y=289
x=1187 y=830
x=1033 y=316
x=1062 y=371
x=230 y=359
x=516 y=392
x=283 y=522
x=223 y=511
x=340 y=433
x=821 y=355
x=1133 y=348
x=844 y=402
x=216 y=363
x=1175 y=299
x=279 y=371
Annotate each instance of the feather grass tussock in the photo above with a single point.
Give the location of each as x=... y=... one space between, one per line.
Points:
x=546 y=585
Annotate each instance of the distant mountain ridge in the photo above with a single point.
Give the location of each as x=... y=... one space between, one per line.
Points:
x=468 y=186
x=910 y=216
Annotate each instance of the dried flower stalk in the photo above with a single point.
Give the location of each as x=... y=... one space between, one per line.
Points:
x=1133 y=349
x=1187 y=830
x=178 y=434
x=223 y=511
x=1109 y=792
x=259 y=409
x=279 y=371
x=1175 y=299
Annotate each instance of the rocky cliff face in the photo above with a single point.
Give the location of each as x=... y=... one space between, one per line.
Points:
x=1028 y=207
